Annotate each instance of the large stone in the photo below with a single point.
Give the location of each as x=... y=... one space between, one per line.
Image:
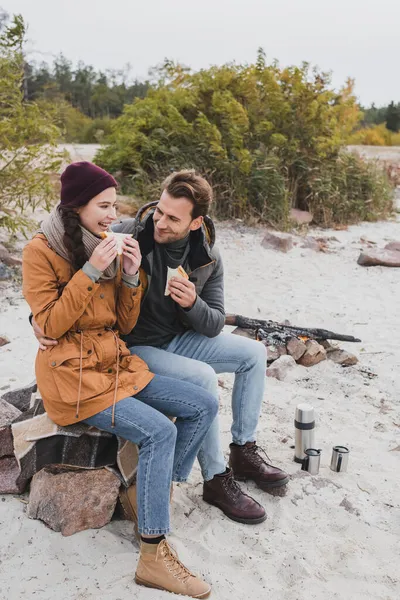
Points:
x=393 y=246
x=277 y=241
x=300 y=217
x=384 y=258
x=9 y=472
x=7 y=413
x=7 y=258
x=296 y=348
x=281 y=367
x=127 y=206
x=21 y=397
x=71 y=501
x=342 y=357
x=315 y=353
x=6 y=442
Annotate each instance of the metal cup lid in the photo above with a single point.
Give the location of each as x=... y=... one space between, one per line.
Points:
x=312 y=451
x=341 y=449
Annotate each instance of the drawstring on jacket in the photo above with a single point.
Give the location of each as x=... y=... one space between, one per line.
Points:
x=81 y=373
x=116 y=380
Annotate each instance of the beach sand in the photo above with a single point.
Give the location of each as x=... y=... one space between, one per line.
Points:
x=333 y=536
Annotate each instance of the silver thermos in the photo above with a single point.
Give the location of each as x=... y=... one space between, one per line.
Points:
x=340 y=459
x=304 y=424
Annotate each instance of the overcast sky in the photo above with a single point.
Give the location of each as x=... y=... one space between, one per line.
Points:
x=356 y=38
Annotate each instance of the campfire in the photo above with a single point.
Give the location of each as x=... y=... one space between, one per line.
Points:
x=306 y=346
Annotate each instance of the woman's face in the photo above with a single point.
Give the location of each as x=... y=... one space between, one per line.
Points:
x=97 y=215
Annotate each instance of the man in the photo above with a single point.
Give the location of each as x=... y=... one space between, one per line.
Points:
x=178 y=334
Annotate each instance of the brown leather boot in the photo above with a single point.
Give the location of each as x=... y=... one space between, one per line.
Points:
x=223 y=492
x=246 y=463
x=159 y=567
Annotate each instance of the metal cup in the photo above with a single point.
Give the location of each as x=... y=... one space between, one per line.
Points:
x=311 y=461
x=340 y=459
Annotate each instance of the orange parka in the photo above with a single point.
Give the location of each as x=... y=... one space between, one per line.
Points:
x=91 y=368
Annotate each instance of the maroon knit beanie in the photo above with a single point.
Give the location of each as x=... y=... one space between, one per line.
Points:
x=82 y=181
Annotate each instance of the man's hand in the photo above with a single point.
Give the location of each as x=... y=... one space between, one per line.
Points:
x=182 y=291
x=44 y=342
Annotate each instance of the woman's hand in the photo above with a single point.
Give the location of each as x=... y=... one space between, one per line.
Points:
x=131 y=256
x=104 y=254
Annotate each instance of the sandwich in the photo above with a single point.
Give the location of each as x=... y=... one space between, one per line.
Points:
x=119 y=238
x=179 y=272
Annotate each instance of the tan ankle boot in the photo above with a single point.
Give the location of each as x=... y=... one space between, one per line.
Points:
x=159 y=567
x=128 y=499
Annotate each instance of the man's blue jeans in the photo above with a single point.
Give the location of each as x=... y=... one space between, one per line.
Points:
x=196 y=358
x=167 y=450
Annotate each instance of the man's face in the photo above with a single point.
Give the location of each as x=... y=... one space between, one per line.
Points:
x=173 y=219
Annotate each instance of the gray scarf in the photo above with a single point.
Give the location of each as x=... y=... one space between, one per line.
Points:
x=53 y=229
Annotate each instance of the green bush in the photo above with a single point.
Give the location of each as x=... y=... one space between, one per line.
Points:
x=259 y=133
x=349 y=190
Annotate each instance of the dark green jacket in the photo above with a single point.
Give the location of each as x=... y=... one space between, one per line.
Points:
x=207 y=316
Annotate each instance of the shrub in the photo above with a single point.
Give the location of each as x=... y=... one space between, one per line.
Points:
x=259 y=133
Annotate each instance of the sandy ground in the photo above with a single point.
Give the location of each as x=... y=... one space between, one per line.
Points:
x=333 y=536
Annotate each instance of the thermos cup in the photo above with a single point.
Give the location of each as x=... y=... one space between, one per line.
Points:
x=340 y=458
x=311 y=461
x=304 y=424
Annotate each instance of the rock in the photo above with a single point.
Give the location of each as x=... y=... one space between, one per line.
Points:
x=300 y=217
x=5 y=272
x=277 y=241
x=272 y=353
x=296 y=348
x=7 y=413
x=281 y=367
x=9 y=472
x=249 y=333
x=395 y=246
x=6 y=442
x=127 y=206
x=384 y=258
x=315 y=353
x=311 y=243
x=342 y=357
x=7 y=258
x=71 y=501
x=21 y=397
x=4 y=340
x=328 y=346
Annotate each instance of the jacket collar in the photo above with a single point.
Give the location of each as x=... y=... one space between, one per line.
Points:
x=201 y=241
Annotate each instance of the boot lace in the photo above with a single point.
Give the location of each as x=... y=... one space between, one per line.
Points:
x=254 y=456
x=231 y=487
x=172 y=562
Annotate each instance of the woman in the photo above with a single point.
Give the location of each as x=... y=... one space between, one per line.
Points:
x=81 y=295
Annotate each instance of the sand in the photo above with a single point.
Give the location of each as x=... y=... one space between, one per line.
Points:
x=333 y=536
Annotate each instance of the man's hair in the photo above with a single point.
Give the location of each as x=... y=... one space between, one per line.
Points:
x=188 y=184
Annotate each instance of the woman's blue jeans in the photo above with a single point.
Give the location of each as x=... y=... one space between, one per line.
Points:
x=167 y=450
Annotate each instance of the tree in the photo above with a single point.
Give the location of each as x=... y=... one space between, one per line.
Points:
x=393 y=117
x=27 y=137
